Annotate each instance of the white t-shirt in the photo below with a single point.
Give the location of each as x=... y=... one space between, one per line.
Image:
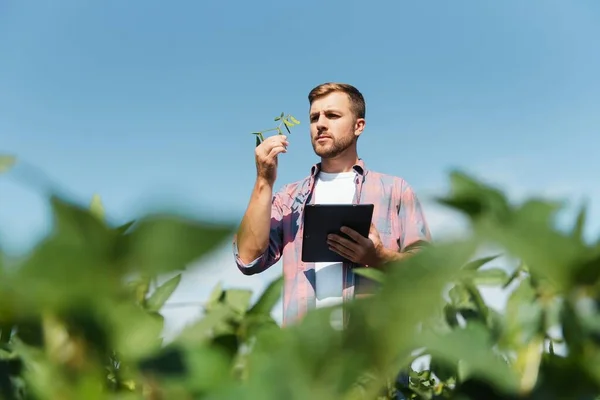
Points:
x=332 y=188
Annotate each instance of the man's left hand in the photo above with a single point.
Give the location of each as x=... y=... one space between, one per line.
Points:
x=360 y=250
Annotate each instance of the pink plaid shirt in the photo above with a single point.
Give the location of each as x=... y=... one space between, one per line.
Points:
x=397 y=216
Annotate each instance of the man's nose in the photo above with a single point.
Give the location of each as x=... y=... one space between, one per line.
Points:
x=322 y=122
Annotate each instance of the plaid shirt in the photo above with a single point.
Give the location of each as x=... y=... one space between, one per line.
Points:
x=397 y=216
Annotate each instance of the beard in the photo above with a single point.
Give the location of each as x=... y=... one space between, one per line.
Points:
x=333 y=148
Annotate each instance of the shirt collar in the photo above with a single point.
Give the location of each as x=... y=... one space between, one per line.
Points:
x=359 y=167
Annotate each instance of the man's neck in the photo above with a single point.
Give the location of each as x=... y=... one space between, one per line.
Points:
x=342 y=163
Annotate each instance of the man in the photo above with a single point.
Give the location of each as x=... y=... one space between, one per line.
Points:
x=272 y=225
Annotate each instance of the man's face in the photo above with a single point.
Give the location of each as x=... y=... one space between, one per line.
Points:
x=333 y=126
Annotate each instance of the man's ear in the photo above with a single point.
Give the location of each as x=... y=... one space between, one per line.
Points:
x=359 y=126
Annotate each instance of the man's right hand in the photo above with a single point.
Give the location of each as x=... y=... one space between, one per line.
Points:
x=266 y=157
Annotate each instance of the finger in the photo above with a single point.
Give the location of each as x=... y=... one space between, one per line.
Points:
x=342 y=251
x=271 y=142
x=353 y=234
x=350 y=245
x=275 y=151
x=276 y=140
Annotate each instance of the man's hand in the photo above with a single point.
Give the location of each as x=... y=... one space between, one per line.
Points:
x=360 y=250
x=266 y=157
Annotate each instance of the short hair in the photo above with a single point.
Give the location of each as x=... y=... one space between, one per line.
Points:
x=357 y=101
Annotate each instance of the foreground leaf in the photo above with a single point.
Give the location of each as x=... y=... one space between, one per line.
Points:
x=269 y=298
x=160 y=296
x=167 y=243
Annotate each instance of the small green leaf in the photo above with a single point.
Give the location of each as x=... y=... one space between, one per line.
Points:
x=238 y=299
x=164 y=243
x=96 y=207
x=490 y=277
x=269 y=298
x=6 y=162
x=160 y=296
x=277 y=118
x=460 y=298
x=122 y=229
x=476 y=264
x=78 y=226
x=294 y=120
x=580 y=223
x=258 y=142
x=473 y=347
x=137 y=333
x=287 y=128
x=215 y=295
x=141 y=288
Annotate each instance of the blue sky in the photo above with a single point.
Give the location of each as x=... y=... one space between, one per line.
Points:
x=151 y=104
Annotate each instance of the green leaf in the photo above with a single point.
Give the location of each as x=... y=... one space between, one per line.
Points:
x=476 y=264
x=530 y=229
x=215 y=295
x=269 y=298
x=80 y=247
x=371 y=273
x=209 y=370
x=122 y=229
x=472 y=347
x=478 y=301
x=141 y=288
x=294 y=120
x=160 y=296
x=450 y=315
x=460 y=298
x=6 y=162
x=382 y=327
x=258 y=142
x=287 y=127
x=578 y=228
x=165 y=243
x=137 y=332
x=79 y=225
x=474 y=198
x=490 y=277
x=214 y=322
x=238 y=299
x=514 y=275
x=524 y=317
x=5 y=332
x=96 y=207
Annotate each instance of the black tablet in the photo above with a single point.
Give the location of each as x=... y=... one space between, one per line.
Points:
x=322 y=219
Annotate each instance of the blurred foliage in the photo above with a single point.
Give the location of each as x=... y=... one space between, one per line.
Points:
x=80 y=317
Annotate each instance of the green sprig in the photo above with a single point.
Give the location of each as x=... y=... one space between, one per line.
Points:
x=286 y=121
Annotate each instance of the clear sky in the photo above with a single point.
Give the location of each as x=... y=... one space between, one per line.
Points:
x=151 y=103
